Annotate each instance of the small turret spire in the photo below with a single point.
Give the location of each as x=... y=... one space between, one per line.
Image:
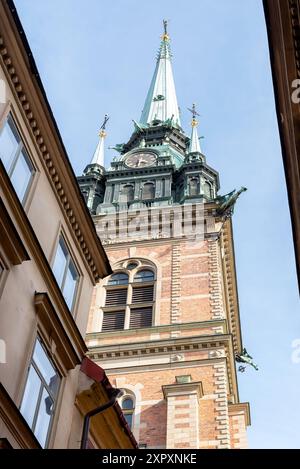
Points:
x=98 y=157
x=194 y=141
x=161 y=102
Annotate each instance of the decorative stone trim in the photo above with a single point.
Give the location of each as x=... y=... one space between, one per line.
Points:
x=221 y=407
x=215 y=281
x=230 y=284
x=175 y=285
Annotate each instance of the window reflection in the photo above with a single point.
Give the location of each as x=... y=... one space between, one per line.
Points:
x=65 y=273
x=40 y=393
x=15 y=158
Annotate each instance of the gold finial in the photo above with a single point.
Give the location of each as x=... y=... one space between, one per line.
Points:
x=102 y=133
x=165 y=36
x=194 y=122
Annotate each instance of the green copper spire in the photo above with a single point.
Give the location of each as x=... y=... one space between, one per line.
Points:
x=161 y=102
x=194 y=142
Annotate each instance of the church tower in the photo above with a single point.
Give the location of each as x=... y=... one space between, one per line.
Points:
x=165 y=325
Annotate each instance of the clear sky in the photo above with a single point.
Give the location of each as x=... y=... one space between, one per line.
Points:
x=97 y=57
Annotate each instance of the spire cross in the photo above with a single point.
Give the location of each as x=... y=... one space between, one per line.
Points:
x=102 y=132
x=194 y=114
x=165 y=36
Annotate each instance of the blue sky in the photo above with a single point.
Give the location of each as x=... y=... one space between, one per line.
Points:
x=97 y=57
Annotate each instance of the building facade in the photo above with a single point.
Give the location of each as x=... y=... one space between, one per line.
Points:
x=165 y=325
x=283 y=27
x=50 y=260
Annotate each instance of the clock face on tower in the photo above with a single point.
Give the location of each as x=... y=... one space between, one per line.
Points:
x=140 y=160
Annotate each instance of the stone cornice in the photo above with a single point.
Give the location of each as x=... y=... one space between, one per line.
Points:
x=157 y=329
x=241 y=407
x=27 y=88
x=171 y=390
x=178 y=345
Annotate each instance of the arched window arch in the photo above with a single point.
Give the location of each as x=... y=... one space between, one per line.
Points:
x=120 y=278
x=127 y=405
x=207 y=189
x=127 y=194
x=129 y=299
x=144 y=275
x=148 y=191
x=194 y=186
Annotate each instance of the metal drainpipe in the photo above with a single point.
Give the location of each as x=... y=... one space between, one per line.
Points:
x=115 y=393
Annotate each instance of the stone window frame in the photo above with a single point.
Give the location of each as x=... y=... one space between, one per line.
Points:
x=128 y=394
x=121 y=267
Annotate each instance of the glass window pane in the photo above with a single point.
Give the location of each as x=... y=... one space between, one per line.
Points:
x=9 y=142
x=118 y=279
x=144 y=276
x=128 y=418
x=70 y=284
x=127 y=403
x=60 y=262
x=46 y=368
x=31 y=395
x=21 y=174
x=44 y=418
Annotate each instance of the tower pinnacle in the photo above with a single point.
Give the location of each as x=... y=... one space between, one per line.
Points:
x=194 y=142
x=161 y=101
x=98 y=157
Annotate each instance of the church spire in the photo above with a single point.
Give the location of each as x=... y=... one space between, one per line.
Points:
x=98 y=157
x=194 y=141
x=161 y=102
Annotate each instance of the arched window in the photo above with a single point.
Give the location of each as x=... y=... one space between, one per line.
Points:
x=127 y=194
x=144 y=276
x=207 y=189
x=194 y=186
x=148 y=191
x=118 y=279
x=127 y=406
x=129 y=299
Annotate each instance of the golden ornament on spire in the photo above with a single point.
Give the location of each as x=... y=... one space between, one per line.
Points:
x=102 y=133
x=194 y=122
x=165 y=36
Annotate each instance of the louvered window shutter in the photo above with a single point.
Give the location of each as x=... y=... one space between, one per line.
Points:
x=116 y=297
x=113 y=321
x=140 y=317
x=142 y=294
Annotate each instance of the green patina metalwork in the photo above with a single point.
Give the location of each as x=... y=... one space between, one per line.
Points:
x=244 y=357
x=227 y=202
